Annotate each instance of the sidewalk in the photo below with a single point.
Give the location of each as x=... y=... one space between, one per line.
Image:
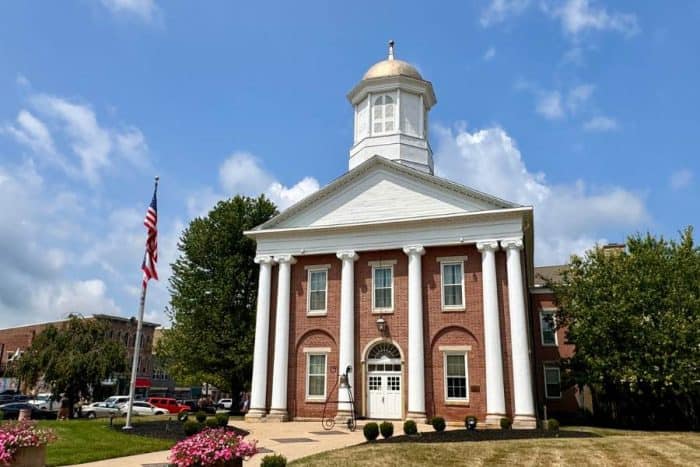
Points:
x=292 y=439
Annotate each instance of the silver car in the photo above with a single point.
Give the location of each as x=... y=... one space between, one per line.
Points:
x=100 y=409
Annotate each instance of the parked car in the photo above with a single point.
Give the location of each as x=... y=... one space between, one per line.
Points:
x=43 y=401
x=194 y=406
x=7 y=398
x=115 y=401
x=11 y=411
x=225 y=404
x=169 y=404
x=142 y=408
x=100 y=409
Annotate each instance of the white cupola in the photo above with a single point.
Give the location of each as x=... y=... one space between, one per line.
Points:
x=391 y=106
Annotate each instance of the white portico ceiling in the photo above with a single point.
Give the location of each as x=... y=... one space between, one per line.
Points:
x=381 y=190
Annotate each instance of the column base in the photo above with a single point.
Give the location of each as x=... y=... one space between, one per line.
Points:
x=493 y=420
x=255 y=415
x=277 y=415
x=524 y=422
x=418 y=417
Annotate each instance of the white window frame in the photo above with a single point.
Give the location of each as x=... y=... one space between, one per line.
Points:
x=383 y=120
x=376 y=309
x=448 y=262
x=458 y=353
x=542 y=323
x=317 y=353
x=309 y=271
x=550 y=366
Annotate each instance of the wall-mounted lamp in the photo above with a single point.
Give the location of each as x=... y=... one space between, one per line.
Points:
x=381 y=325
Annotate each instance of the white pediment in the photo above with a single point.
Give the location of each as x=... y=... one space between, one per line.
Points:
x=381 y=190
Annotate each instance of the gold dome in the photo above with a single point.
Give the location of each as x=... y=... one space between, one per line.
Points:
x=392 y=67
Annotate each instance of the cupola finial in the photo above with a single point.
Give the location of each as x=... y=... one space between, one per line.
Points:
x=391 y=50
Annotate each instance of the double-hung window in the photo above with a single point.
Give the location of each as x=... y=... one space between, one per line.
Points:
x=548 y=328
x=383 y=288
x=318 y=291
x=456 y=381
x=552 y=382
x=452 y=274
x=383 y=114
x=316 y=375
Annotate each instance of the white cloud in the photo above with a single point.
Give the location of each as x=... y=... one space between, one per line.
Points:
x=549 y=105
x=145 y=10
x=681 y=179
x=568 y=217
x=32 y=132
x=600 y=123
x=579 y=96
x=579 y=16
x=489 y=54
x=85 y=297
x=498 y=11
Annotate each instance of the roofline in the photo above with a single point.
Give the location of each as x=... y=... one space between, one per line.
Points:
x=321 y=228
x=97 y=316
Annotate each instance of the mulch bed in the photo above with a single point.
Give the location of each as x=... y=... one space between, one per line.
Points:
x=454 y=436
x=165 y=429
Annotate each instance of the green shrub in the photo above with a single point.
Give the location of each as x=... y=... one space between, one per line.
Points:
x=371 y=431
x=470 y=422
x=274 y=460
x=506 y=423
x=201 y=416
x=387 y=429
x=222 y=419
x=438 y=423
x=409 y=427
x=553 y=424
x=191 y=427
x=212 y=423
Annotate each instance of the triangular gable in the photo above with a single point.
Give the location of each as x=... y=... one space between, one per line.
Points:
x=381 y=190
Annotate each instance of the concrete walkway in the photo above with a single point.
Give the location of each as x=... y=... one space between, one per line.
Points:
x=292 y=439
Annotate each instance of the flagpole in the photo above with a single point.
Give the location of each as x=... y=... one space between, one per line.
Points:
x=137 y=348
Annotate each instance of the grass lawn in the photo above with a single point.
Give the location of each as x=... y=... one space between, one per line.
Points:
x=611 y=448
x=91 y=440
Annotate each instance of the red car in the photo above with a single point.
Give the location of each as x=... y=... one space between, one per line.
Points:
x=168 y=404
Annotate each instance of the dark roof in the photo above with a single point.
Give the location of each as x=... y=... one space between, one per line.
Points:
x=543 y=274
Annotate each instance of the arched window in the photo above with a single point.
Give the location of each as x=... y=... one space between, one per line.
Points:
x=383 y=113
x=384 y=357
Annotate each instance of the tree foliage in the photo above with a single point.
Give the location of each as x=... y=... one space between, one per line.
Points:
x=213 y=295
x=73 y=358
x=634 y=317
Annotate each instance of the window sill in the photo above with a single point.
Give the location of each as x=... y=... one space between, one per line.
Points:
x=315 y=400
x=550 y=345
x=456 y=309
x=316 y=313
x=383 y=311
x=457 y=403
x=553 y=398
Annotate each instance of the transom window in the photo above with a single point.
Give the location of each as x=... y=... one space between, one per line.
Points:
x=456 y=376
x=552 y=382
x=452 y=285
x=316 y=376
x=383 y=285
x=318 y=291
x=383 y=114
x=548 y=328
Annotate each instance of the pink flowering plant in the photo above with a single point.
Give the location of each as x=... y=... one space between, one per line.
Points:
x=21 y=435
x=211 y=447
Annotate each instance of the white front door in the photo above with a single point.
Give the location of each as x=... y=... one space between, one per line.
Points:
x=384 y=395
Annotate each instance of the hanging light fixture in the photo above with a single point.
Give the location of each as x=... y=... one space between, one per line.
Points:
x=381 y=325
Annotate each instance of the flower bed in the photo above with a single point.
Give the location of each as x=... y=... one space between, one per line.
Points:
x=212 y=447
x=18 y=435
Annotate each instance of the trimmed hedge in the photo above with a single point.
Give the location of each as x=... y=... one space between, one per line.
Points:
x=506 y=423
x=410 y=428
x=191 y=427
x=211 y=423
x=371 y=431
x=553 y=424
x=468 y=419
x=387 y=429
x=274 y=460
x=438 y=423
x=222 y=419
x=201 y=416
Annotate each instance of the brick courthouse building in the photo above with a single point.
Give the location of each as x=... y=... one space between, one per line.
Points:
x=423 y=288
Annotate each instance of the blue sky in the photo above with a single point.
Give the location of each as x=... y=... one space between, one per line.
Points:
x=585 y=109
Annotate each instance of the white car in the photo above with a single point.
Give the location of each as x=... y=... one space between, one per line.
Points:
x=100 y=409
x=225 y=403
x=116 y=401
x=43 y=401
x=143 y=408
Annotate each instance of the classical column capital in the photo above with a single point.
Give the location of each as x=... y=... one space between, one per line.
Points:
x=281 y=259
x=264 y=259
x=347 y=254
x=414 y=250
x=512 y=243
x=487 y=245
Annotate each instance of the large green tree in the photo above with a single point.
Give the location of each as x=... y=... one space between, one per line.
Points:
x=634 y=317
x=213 y=295
x=72 y=358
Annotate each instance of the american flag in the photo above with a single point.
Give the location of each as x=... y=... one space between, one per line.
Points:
x=150 y=257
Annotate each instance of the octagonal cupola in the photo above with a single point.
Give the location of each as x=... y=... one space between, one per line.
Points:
x=391 y=106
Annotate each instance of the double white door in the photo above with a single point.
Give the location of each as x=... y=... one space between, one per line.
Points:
x=384 y=396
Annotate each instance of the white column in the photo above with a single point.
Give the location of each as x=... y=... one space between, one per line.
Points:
x=346 y=354
x=278 y=409
x=258 y=390
x=416 y=357
x=524 y=411
x=495 y=394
